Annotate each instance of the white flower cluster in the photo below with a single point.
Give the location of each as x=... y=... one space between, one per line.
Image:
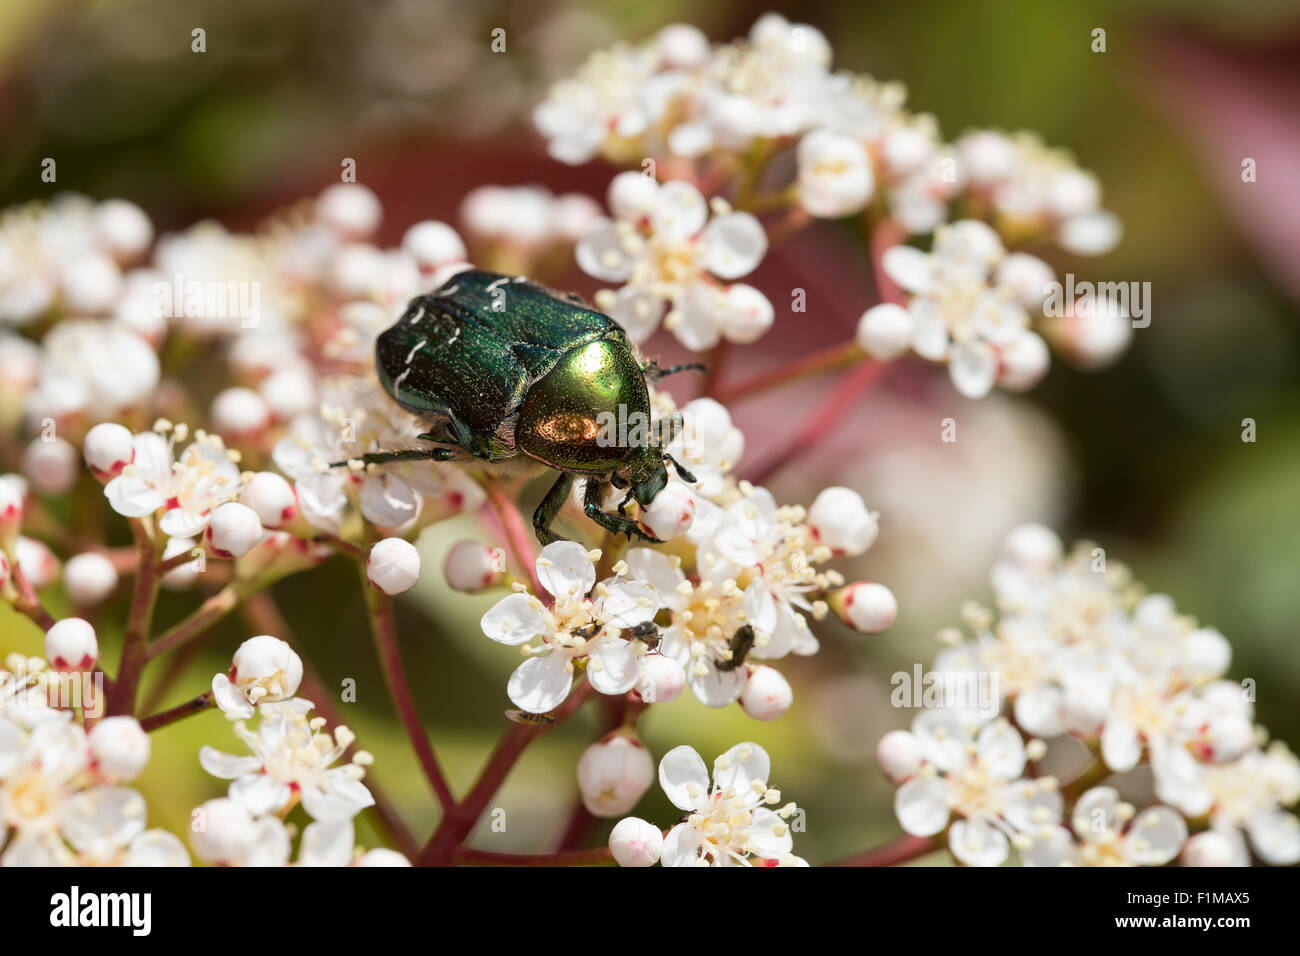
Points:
x=733 y=822
x=681 y=99
x=1075 y=650
x=733 y=592
x=64 y=794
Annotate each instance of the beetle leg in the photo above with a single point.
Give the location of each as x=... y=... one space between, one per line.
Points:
x=550 y=507
x=592 y=505
x=406 y=454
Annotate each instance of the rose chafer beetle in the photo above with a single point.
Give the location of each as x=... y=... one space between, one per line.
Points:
x=515 y=377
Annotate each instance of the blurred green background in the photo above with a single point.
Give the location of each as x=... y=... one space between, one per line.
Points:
x=1145 y=457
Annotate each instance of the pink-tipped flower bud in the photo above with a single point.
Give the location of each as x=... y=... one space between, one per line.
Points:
x=37 y=562
x=51 y=466
x=614 y=773
x=900 y=755
x=393 y=565
x=1033 y=548
x=108 y=449
x=12 y=491
x=70 y=645
x=866 y=606
x=840 y=520
x=264 y=668
x=767 y=694
x=121 y=749
x=634 y=842
x=662 y=679
x=89 y=578
x=671 y=513
x=272 y=498
x=472 y=566
x=233 y=530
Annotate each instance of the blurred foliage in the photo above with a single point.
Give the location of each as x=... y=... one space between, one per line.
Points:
x=1164 y=481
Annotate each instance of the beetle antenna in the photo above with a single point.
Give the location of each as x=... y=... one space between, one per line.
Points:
x=682 y=472
x=655 y=373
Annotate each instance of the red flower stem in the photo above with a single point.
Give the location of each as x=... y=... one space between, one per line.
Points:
x=838 y=404
x=384 y=630
x=899 y=850
x=515 y=531
x=135 y=644
x=207 y=614
x=458 y=823
x=823 y=360
x=593 y=857
x=173 y=714
x=263 y=615
x=26 y=601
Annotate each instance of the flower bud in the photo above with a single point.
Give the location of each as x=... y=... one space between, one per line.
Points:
x=51 y=465
x=70 y=645
x=91 y=283
x=631 y=195
x=89 y=578
x=634 y=842
x=433 y=244
x=12 y=492
x=746 y=313
x=662 y=679
x=393 y=565
x=613 y=774
x=233 y=530
x=670 y=513
x=472 y=567
x=867 y=607
x=767 y=694
x=899 y=755
x=1213 y=848
x=272 y=498
x=239 y=413
x=1206 y=653
x=121 y=749
x=37 y=562
x=1224 y=738
x=264 y=668
x=123 y=229
x=350 y=209
x=885 y=331
x=1023 y=362
x=288 y=392
x=1033 y=548
x=839 y=519
x=108 y=449
x=222 y=832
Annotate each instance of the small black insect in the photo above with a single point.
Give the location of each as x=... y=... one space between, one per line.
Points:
x=742 y=642
x=647 y=632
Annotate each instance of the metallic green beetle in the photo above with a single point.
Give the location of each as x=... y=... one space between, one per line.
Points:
x=515 y=377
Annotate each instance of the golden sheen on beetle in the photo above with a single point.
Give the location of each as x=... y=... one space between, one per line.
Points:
x=507 y=374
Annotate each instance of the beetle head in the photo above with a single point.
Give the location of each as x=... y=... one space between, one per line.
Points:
x=646 y=475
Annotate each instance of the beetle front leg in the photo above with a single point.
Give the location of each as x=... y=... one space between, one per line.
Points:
x=593 y=506
x=406 y=454
x=545 y=514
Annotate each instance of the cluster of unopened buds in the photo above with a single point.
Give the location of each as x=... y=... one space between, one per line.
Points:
x=305 y=452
